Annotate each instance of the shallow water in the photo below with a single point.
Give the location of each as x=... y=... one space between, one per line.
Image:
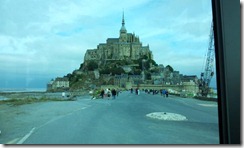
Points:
x=3 y=98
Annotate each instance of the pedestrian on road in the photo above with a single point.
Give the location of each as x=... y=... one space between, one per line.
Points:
x=113 y=93
x=164 y=92
x=63 y=94
x=106 y=92
x=138 y=92
x=109 y=93
x=117 y=92
x=102 y=93
x=167 y=93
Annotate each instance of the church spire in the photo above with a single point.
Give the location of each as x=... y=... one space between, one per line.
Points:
x=123 y=32
x=123 y=19
x=123 y=29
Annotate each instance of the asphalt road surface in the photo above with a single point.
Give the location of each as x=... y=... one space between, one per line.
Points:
x=124 y=120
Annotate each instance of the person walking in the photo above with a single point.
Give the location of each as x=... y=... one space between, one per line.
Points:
x=163 y=92
x=166 y=93
x=113 y=93
x=117 y=92
x=109 y=93
x=102 y=93
x=63 y=94
x=106 y=92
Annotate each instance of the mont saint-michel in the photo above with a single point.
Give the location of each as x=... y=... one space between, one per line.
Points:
x=126 y=47
x=124 y=63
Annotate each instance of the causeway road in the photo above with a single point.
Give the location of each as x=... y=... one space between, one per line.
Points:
x=128 y=119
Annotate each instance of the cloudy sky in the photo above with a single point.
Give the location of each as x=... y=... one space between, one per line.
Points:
x=44 y=39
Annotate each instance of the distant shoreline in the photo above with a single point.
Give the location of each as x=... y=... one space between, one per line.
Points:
x=19 y=90
x=27 y=95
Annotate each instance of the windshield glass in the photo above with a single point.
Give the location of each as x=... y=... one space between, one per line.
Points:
x=103 y=72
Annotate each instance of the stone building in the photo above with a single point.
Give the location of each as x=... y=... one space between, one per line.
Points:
x=126 y=46
x=59 y=84
x=157 y=78
x=122 y=80
x=190 y=85
x=189 y=78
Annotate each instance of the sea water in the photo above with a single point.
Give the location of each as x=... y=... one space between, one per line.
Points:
x=18 y=90
x=6 y=90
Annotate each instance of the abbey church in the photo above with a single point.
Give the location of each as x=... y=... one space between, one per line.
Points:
x=120 y=63
x=126 y=47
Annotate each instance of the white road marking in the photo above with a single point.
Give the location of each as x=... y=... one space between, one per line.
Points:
x=57 y=118
x=14 y=141
x=26 y=136
x=166 y=116
x=29 y=134
x=84 y=107
x=208 y=105
x=21 y=141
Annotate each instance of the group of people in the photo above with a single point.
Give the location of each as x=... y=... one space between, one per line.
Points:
x=163 y=92
x=108 y=93
x=136 y=90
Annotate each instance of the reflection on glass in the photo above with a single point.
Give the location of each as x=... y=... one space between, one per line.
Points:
x=83 y=72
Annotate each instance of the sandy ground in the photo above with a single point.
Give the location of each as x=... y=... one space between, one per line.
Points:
x=17 y=121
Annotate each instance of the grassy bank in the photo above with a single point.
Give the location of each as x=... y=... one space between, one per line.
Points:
x=29 y=100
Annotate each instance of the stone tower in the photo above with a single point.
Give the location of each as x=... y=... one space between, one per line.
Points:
x=126 y=47
x=123 y=31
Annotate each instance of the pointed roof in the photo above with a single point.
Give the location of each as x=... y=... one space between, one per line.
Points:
x=123 y=29
x=123 y=20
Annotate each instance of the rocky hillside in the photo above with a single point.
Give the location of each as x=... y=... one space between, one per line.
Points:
x=91 y=73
